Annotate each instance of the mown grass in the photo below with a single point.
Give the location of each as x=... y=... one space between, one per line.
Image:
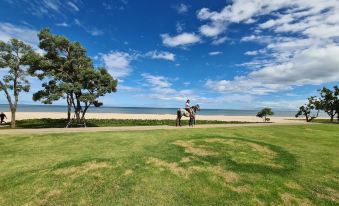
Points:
x=335 y=121
x=271 y=165
x=61 y=123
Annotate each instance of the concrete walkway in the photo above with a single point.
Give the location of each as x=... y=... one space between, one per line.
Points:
x=135 y=128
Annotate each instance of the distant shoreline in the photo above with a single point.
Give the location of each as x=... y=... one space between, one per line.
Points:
x=146 y=110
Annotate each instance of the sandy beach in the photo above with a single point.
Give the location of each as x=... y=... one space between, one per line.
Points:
x=58 y=115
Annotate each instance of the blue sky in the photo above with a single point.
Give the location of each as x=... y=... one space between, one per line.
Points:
x=221 y=54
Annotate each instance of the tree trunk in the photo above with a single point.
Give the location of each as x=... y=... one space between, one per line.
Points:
x=69 y=112
x=332 y=116
x=13 y=110
x=78 y=111
x=69 y=108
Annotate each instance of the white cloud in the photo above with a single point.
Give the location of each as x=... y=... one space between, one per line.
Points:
x=73 y=6
x=251 y=53
x=28 y=35
x=214 y=53
x=300 y=48
x=92 y=30
x=180 y=27
x=160 y=88
x=243 y=84
x=25 y=34
x=214 y=29
x=117 y=63
x=181 y=8
x=161 y=55
x=218 y=41
x=63 y=24
x=49 y=8
x=156 y=81
x=183 y=39
x=279 y=104
x=128 y=88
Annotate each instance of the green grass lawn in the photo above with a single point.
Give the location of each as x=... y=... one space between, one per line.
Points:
x=61 y=123
x=271 y=165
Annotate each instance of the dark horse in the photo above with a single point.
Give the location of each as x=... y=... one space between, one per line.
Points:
x=184 y=113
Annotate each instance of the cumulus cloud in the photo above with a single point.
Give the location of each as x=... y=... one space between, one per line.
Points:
x=183 y=39
x=160 y=88
x=156 y=81
x=161 y=55
x=117 y=63
x=300 y=43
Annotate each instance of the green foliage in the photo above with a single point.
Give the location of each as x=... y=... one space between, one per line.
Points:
x=15 y=56
x=264 y=113
x=328 y=101
x=70 y=74
x=309 y=109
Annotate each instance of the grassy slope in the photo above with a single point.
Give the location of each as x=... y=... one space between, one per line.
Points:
x=229 y=166
x=61 y=123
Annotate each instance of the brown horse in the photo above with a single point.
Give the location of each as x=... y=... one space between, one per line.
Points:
x=184 y=113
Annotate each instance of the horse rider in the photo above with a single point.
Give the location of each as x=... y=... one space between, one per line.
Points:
x=188 y=107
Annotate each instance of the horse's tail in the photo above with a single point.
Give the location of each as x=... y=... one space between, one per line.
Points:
x=178 y=118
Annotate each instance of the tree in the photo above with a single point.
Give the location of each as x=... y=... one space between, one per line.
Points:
x=70 y=74
x=264 y=113
x=307 y=109
x=15 y=56
x=336 y=104
x=328 y=101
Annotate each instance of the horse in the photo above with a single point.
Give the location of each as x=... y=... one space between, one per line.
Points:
x=184 y=113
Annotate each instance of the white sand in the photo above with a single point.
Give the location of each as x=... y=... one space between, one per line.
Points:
x=57 y=115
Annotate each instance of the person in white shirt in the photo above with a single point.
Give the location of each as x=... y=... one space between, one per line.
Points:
x=188 y=107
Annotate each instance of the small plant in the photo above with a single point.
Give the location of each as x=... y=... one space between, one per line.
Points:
x=264 y=113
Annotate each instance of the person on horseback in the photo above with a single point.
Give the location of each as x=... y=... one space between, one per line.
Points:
x=188 y=107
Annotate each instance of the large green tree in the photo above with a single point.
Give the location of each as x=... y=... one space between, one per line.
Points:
x=310 y=110
x=264 y=113
x=336 y=104
x=328 y=102
x=15 y=56
x=69 y=73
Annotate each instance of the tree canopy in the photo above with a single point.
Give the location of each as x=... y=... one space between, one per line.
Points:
x=15 y=56
x=264 y=113
x=69 y=73
x=327 y=101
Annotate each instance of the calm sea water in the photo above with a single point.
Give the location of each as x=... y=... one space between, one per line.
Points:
x=143 y=110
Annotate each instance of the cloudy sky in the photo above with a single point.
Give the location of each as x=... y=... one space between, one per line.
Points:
x=235 y=54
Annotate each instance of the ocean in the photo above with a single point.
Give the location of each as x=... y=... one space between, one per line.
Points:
x=144 y=110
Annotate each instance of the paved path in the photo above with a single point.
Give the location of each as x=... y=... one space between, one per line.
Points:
x=134 y=128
